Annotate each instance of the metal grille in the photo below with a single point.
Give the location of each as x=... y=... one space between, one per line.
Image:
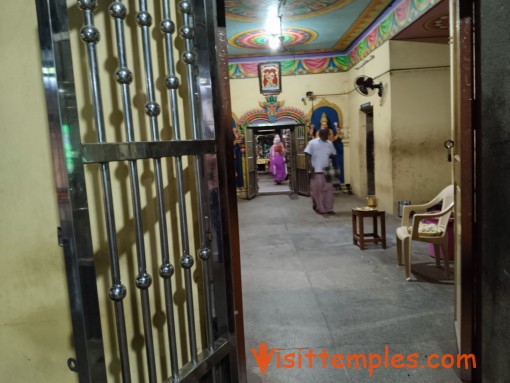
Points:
x=302 y=183
x=217 y=360
x=252 y=185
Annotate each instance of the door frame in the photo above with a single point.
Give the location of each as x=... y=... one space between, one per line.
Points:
x=368 y=110
x=463 y=174
x=364 y=110
x=253 y=130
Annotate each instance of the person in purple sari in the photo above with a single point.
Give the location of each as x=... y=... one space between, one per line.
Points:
x=277 y=165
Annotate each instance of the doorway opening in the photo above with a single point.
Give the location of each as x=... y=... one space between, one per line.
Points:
x=370 y=152
x=266 y=180
x=369 y=147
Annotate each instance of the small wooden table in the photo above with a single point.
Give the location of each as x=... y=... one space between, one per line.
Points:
x=359 y=237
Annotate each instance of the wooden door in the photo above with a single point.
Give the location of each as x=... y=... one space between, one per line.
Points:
x=463 y=174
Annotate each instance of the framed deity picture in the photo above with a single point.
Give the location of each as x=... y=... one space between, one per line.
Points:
x=270 y=80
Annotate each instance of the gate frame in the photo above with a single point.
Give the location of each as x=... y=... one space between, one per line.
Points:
x=74 y=232
x=69 y=157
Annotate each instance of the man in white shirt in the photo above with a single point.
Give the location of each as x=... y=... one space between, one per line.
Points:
x=319 y=151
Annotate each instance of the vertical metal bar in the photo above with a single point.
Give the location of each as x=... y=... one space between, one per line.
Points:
x=90 y=36
x=58 y=79
x=172 y=83
x=152 y=109
x=186 y=260
x=124 y=77
x=204 y=35
x=188 y=32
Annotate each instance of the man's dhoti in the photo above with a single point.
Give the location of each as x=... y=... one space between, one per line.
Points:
x=322 y=193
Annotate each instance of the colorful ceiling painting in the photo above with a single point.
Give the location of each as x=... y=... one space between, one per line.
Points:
x=250 y=10
x=258 y=39
x=366 y=18
x=388 y=24
x=328 y=19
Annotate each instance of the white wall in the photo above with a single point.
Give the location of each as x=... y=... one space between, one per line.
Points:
x=409 y=128
x=34 y=317
x=421 y=119
x=377 y=68
x=246 y=96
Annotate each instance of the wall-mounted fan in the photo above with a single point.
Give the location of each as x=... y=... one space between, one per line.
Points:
x=365 y=86
x=384 y=92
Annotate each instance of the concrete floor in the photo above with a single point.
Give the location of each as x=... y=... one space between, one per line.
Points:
x=305 y=285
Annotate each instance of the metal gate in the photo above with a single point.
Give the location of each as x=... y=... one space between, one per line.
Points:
x=252 y=187
x=189 y=331
x=302 y=182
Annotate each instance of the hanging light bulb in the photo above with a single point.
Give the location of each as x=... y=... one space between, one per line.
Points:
x=274 y=29
x=272 y=26
x=274 y=42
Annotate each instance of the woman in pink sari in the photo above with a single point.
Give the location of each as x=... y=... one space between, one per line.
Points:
x=277 y=165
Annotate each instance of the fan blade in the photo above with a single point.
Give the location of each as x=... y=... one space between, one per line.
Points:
x=360 y=81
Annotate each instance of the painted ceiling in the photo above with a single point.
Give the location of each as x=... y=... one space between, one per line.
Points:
x=319 y=28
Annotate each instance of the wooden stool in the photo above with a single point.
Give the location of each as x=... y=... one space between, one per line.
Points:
x=359 y=236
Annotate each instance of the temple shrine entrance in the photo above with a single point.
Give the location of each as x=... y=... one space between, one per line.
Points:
x=271 y=180
x=254 y=133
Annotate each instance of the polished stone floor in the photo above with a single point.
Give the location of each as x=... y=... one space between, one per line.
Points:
x=267 y=185
x=306 y=286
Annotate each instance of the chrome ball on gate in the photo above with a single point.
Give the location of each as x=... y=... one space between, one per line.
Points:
x=87 y=5
x=144 y=19
x=118 y=10
x=171 y=82
x=189 y=57
x=204 y=253
x=117 y=292
x=187 y=261
x=89 y=34
x=186 y=32
x=143 y=281
x=167 y=26
x=185 y=6
x=166 y=270
x=152 y=109
x=124 y=76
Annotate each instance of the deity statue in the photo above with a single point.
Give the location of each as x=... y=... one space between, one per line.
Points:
x=333 y=136
x=310 y=133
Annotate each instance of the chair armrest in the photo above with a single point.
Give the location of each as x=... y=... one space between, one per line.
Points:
x=437 y=214
x=406 y=212
x=408 y=209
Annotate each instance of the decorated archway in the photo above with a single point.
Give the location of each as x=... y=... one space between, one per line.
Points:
x=271 y=112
